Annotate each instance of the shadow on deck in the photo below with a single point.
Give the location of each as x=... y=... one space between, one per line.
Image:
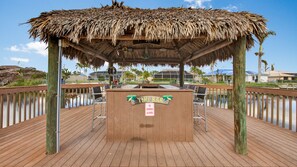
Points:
x=24 y=145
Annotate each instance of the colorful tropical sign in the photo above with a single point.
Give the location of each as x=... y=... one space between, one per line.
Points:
x=149 y=99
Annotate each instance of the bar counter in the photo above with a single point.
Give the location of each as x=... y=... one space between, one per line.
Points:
x=152 y=114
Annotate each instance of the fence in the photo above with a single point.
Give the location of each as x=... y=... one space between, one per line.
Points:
x=275 y=106
x=23 y=103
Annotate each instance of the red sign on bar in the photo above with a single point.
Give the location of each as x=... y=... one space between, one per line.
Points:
x=149 y=109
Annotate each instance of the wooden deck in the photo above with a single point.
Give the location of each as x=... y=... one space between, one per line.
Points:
x=24 y=145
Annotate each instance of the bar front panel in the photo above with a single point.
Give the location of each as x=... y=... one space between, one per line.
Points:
x=171 y=122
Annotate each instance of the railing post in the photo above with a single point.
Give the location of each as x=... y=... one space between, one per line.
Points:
x=259 y=107
x=229 y=95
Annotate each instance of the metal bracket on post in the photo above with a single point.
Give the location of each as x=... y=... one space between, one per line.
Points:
x=59 y=96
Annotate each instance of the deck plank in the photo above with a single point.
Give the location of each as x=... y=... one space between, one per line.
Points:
x=168 y=154
x=23 y=144
x=280 y=158
x=127 y=154
x=152 y=157
x=135 y=154
x=143 y=158
x=119 y=154
x=22 y=148
x=176 y=155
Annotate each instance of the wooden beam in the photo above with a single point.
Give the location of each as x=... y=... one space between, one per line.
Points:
x=208 y=49
x=52 y=76
x=149 y=49
x=177 y=49
x=181 y=74
x=87 y=50
x=240 y=131
x=151 y=60
x=130 y=37
x=184 y=45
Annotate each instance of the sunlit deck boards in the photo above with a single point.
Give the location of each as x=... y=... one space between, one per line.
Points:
x=24 y=145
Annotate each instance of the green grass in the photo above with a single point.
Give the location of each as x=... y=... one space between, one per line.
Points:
x=27 y=82
x=265 y=85
x=83 y=81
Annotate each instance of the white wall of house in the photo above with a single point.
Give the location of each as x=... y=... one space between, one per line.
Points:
x=264 y=78
x=250 y=78
x=74 y=78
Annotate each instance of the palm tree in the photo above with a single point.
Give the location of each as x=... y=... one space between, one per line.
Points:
x=81 y=66
x=261 y=38
x=145 y=75
x=128 y=75
x=272 y=67
x=196 y=71
x=265 y=65
x=212 y=65
x=95 y=69
x=65 y=73
x=137 y=72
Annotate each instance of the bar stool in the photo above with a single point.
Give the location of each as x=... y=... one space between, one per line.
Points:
x=200 y=99
x=98 y=98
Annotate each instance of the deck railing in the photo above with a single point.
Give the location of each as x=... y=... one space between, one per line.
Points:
x=276 y=106
x=18 y=104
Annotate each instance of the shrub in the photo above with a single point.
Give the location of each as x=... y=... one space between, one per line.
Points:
x=101 y=78
x=27 y=82
x=38 y=75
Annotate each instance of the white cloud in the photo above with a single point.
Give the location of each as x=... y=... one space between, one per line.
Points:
x=197 y=3
x=14 y=48
x=19 y=59
x=31 y=47
x=231 y=8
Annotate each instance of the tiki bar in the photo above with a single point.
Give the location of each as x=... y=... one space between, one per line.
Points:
x=122 y=35
x=154 y=124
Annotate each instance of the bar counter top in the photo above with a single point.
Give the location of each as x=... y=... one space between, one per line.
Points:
x=163 y=88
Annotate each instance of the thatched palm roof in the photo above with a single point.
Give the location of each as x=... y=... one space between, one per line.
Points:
x=149 y=36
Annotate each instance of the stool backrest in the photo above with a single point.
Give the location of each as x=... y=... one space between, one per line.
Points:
x=192 y=87
x=96 y=91
x=201 y=92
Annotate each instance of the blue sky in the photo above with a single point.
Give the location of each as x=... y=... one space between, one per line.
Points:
x=16 y=48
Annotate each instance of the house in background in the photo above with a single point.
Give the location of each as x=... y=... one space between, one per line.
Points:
x=103 y=75
x=76 y=78
x=225 y=75
x=274 y=76
x=173 y=74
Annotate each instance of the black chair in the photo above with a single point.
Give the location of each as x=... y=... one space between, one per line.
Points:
x=98 y=97
x=200 y=94
x=193 y=87
x=185 y=87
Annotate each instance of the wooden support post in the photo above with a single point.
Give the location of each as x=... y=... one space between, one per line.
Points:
x=63 y=101
x=240 y=132
x=1 y=111
x=51 y=117
x=229 y=95
x=181 y=74
x=110 y=77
